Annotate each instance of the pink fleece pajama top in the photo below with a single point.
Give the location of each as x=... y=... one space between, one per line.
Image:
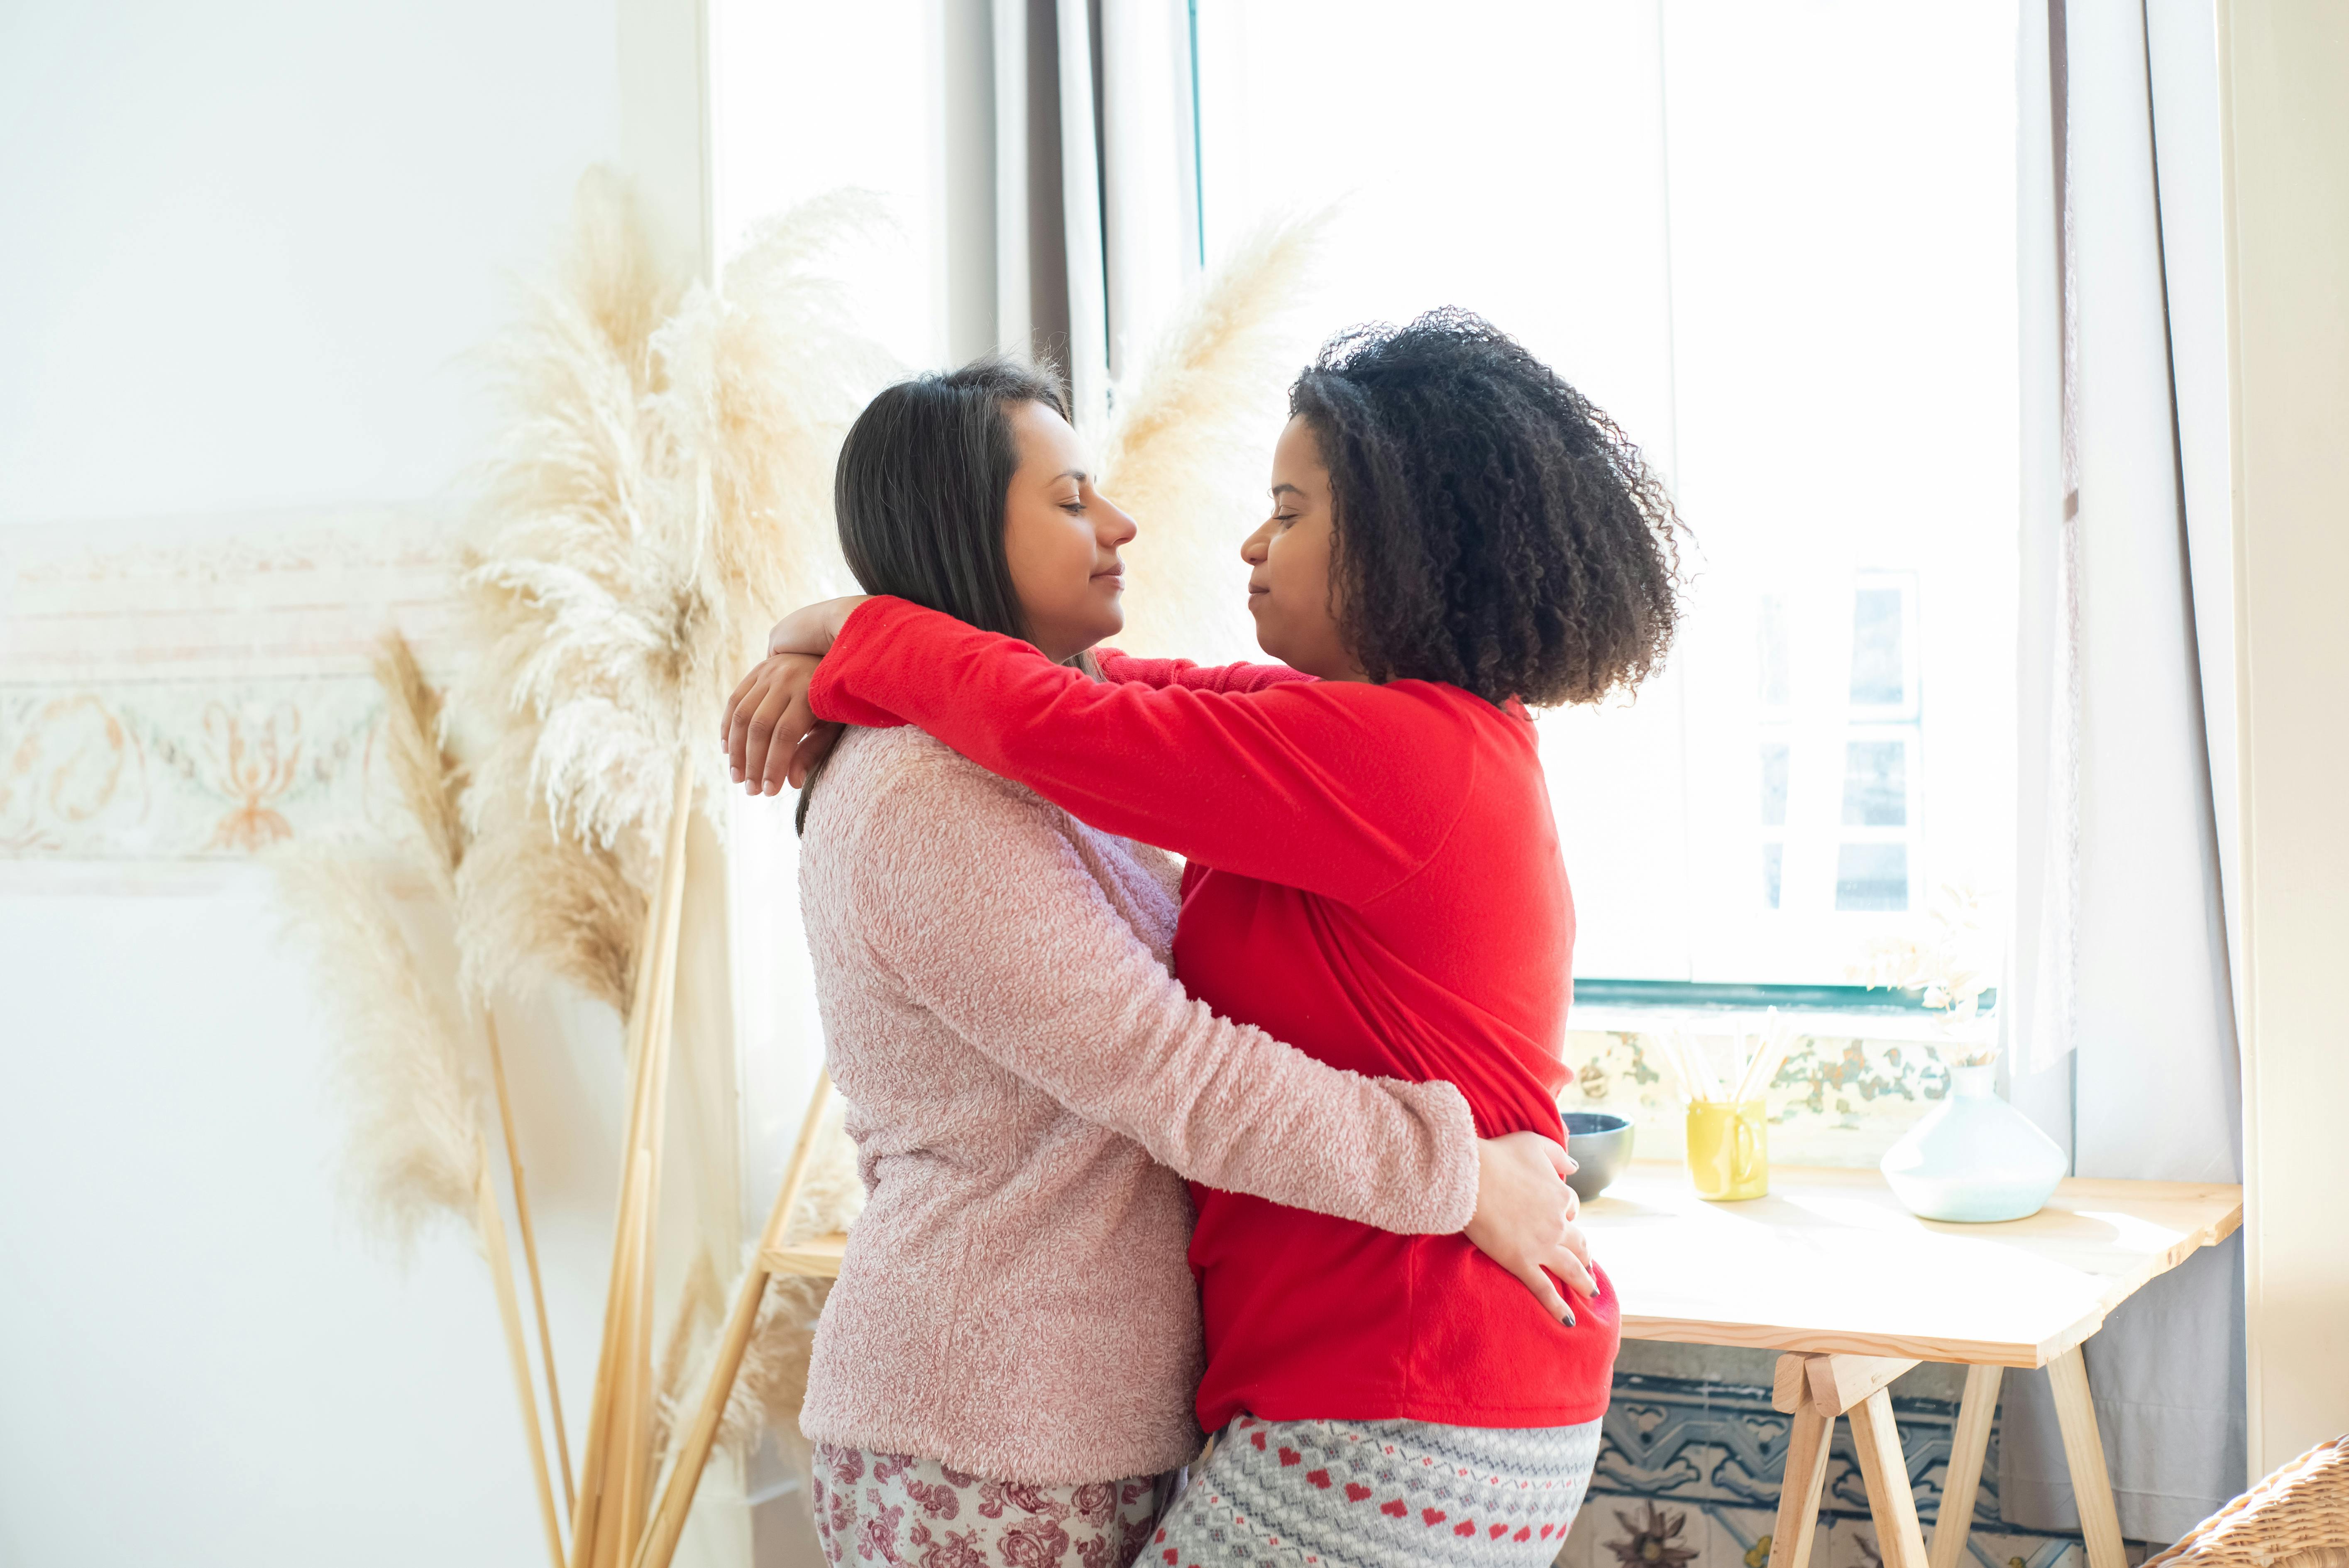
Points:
x=1028 y=1088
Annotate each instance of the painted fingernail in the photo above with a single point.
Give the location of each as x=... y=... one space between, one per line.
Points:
x=1570 y=1317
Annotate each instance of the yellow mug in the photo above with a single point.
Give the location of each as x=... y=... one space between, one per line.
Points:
x=1729 y=1149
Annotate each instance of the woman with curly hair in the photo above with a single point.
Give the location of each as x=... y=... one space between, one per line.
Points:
x=1374 y=875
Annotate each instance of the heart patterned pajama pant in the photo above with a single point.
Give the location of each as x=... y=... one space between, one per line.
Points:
x=1378 y=1494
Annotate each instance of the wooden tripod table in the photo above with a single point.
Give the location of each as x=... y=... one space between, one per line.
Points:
x=1832 y=1270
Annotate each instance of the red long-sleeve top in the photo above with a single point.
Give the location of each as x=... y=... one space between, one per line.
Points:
x=1374 y=877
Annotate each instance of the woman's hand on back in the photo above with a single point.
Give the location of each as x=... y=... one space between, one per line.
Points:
x=1525 y=1218
x=770 y=734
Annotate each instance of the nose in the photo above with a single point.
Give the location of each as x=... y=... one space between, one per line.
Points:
x=1256 y=546
x=1116 y=528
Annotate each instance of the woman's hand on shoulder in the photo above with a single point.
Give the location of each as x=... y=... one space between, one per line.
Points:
x=770 y=734
x=811 y=628
x=771 y=737
x=1525 y=1218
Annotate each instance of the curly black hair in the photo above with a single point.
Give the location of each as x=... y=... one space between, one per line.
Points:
x=1492 y=530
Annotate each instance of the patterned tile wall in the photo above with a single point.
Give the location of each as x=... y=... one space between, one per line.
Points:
x=1689 y=1474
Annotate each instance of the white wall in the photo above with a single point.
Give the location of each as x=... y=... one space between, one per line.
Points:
x=204 y=1364
x=246 y=245
x=2287 y=127
x=246 y=249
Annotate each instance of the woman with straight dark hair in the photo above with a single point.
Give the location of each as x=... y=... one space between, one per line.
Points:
x=1006 y=1367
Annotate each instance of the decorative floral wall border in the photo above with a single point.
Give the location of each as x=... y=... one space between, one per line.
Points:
x=176 y=770
x=197 y=690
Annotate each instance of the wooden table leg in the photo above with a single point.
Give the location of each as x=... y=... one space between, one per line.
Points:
x=1798 y=1493
x=1891 y=1503
x=1969 y=1444
x=2084 y=1453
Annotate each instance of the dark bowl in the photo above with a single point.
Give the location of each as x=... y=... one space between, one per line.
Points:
x=1600 y=1145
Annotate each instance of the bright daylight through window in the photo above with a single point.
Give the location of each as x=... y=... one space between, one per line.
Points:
x=1776 y=243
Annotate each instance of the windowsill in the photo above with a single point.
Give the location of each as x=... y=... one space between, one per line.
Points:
x=1865 y=1064
x=1699 y=1007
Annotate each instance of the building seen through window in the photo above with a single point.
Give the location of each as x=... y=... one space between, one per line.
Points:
x=1811 y=333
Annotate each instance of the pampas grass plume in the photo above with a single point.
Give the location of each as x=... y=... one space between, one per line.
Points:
x=571 y=589
x=533 y=903
x=1190 y=442
x=771 y=1383
x=700 y=1306
x=765 y=375
x=428 y=779
x=414 y=1152
x=664 y=488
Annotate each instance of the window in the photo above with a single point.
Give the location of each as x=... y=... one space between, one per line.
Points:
x=1812 y=331
x=1865 y=858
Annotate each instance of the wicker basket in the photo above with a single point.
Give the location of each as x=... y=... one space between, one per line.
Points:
x=2297 y=1518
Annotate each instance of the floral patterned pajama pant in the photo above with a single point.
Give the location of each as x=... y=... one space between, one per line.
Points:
x=892 y=1511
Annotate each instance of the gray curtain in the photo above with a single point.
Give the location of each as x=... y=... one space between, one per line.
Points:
x=1032 y=250
x=1096 y=182
x=2123 y=1042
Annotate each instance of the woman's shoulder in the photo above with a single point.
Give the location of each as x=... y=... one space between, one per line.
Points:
x=880 y=780
x=1407 y=712
x=902 y=796
x=900 y=822
x=1440 y=705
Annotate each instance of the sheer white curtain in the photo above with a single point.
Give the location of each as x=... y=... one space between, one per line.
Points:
x=1150 y=212
x=2123 y=1041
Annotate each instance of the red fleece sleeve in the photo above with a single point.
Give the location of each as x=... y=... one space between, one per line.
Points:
x=1118 y=666
x=1335 y=786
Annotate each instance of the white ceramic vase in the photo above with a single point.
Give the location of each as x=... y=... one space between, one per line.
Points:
x=1973 y=1157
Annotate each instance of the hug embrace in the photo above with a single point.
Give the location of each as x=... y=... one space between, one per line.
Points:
x=1262 y=1142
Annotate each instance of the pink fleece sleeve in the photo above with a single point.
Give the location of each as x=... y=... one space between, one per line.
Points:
x=994 y=926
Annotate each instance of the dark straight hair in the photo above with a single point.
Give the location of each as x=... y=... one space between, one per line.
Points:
x=920 y=489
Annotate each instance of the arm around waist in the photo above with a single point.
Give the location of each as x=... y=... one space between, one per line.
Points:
x=974 y=898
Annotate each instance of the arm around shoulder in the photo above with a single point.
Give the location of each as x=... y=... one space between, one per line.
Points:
x=1336 y=788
